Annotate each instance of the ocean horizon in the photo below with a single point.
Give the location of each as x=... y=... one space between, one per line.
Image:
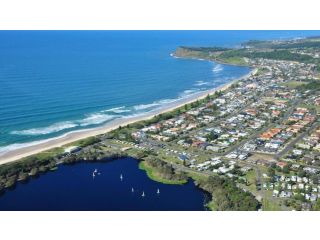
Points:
x=56 y=82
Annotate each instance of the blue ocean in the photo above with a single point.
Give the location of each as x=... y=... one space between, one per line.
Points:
x=54 y=82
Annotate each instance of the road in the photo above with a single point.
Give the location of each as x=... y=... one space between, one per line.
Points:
x=291 y=145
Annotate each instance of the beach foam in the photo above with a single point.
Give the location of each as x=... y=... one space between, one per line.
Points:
x=202 y=83
x=217 y=68
x=117 y=110
x=56 y=127
x=189 y=92
x=94 y=119
x=146 y=106
x=16 y=146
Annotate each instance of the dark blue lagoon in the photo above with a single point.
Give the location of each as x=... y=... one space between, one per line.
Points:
x=72 y=187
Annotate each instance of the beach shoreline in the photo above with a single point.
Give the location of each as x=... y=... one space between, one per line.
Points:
x=17 y=154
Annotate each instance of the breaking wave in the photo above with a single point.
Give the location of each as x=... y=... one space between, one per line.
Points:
x=57 y=127
x=15 y=146
x=146 y=106
x=202 y=83
x=217 y=68
x=94 y=119
x=188 y=92
x=117 y=110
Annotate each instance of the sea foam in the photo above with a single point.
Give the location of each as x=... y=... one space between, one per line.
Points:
x=202 y=83
x=146 y=106
x=57 y=127
x=94 y=119
x=117 y=110
x=217 y=68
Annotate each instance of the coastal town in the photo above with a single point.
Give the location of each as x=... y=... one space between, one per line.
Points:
x=262 y=133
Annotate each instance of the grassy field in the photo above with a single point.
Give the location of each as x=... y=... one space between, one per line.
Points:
x=152 y=174
x=251 y=177
x=268 y=205
x=262 y=70
x=310 y=107
x=234 y=61
x=292 y=84
x=197 y=176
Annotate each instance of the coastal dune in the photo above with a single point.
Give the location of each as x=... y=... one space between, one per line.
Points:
x=16 y=154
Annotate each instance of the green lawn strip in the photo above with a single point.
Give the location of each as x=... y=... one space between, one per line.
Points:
x=251 y=178
x=233 y=60
x=270 y=205
x=292 y=84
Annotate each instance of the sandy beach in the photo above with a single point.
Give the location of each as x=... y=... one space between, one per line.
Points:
x=68 y=138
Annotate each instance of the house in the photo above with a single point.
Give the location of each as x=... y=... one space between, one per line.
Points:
x=213 y=148
x=243 y=156
x=275 y=193
x=183 y=157
x=223 y=169
x=281 y=164
x=138 y=135
x=297 y=152
x=72 y=149
x=293 y=178
x=232 y=156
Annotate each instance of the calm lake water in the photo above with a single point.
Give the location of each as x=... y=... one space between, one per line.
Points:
x=72 y=187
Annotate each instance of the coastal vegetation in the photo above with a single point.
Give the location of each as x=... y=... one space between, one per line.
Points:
x=275 y=55
x=162 y=172
x=238 y=56
x=43 y=162
x=227 y=196
x=28 y=167
x=313 y=85
x=85 y=142
x=300 y=44
x=214 y=54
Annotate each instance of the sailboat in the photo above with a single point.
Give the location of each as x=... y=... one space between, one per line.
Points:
x=158 y=191
x=132 y=190
x=95 y=171
x=143 y=194
x=121 y=177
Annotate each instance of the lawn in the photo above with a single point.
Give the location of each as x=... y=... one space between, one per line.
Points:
x=292 y=84
x=270 y=205
x=234 y=61
x=251 y=178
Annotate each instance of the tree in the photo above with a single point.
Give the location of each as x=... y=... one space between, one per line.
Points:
x=34 y=171
x=271 y=173
x=23 y=176
x=315 y=179
x=285 y=169
x=10 y=182
x=214 y=107
x=301 y=173
x=316 y=206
